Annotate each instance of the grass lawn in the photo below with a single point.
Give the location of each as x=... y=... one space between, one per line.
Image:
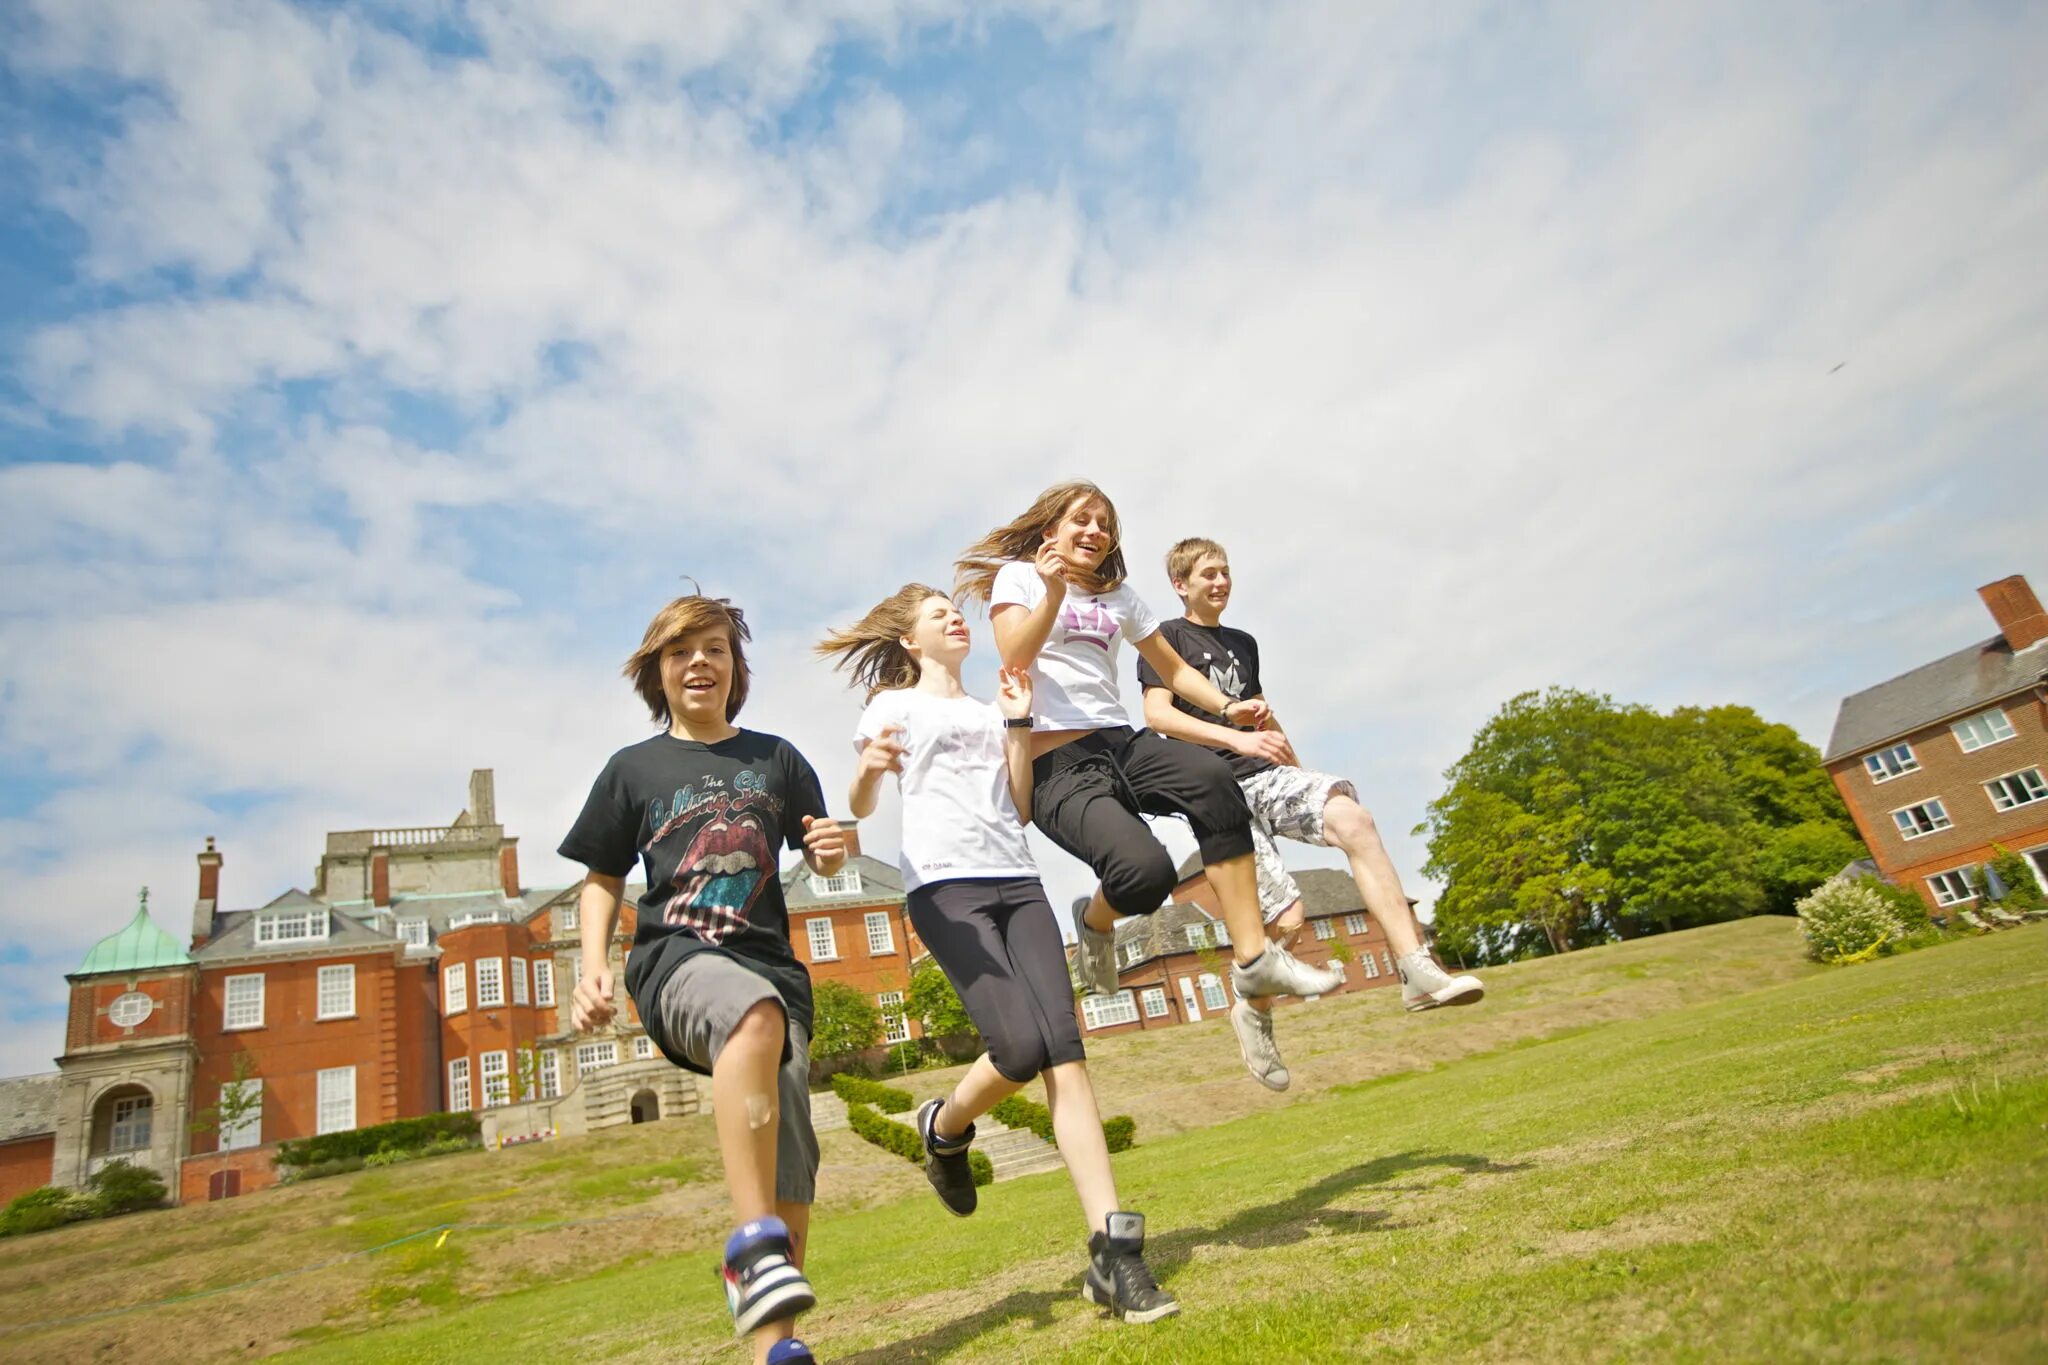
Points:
x=1692 y=1147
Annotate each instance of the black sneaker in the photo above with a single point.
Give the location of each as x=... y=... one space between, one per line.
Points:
x=1118 y=1278
x=762 y=1285
x=945 y=1161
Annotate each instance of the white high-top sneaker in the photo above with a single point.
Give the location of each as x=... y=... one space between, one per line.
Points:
x=1279 y=972
x=1425 y=986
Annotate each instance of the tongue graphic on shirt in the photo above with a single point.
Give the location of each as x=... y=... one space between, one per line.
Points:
x=1088 y=621
x=720 y=877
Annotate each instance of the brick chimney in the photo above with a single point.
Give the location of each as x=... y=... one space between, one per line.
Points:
x=851 y=828
x=483 y=797
x=2017 y=611
x=508 y=868
x=209 y=894
x=380 y=876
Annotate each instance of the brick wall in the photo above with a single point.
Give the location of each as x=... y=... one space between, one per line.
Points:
x=170 y=995
x=255 y=1169
x=870 y=973
x=25 y=1165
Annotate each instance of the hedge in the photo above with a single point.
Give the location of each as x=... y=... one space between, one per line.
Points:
x=855 y=1090
x=117 y=1187
x=903 y=1140
x=406 y=1135
x=1121 y=1132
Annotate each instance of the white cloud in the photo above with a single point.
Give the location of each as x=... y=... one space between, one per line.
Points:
x=1499 y=357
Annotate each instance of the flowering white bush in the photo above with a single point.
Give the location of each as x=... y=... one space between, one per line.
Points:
x=1848 y=919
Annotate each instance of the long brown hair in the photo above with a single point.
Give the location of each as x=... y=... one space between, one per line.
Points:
x=975 y=570
x=672 y=623
x=872 y=647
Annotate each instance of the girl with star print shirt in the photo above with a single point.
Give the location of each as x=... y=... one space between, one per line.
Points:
x=707 y=823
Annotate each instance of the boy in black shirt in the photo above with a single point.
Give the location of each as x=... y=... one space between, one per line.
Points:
x=705 y=808
x=1285 y=799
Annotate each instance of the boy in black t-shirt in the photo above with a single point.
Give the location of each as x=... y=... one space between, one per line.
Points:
x=1285 y=799
x=705 y=808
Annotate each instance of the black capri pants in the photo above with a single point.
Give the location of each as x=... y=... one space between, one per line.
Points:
x=1087 y=797
x=997 y=942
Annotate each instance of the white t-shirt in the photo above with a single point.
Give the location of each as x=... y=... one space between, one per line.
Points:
x=1074 y=681
x=958 y=818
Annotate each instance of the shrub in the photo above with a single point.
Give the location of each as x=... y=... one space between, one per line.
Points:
x=984 y=1169
x=41 y=1209
x=1849 y=921
x=855 y=1090
x=2022 y=892
x=842 y=1020
x=909 y=1055
x=1906 y=905
x=1121 y=1132
x=318 y=1170
x=360 y=1143
x=903 y=1140
x=122 y=1187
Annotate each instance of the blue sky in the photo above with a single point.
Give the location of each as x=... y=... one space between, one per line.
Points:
x=368 y=375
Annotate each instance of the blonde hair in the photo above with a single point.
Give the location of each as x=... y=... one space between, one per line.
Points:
x=672 y=623
x=975 y=570
x=1185 y=554
x=872 y=647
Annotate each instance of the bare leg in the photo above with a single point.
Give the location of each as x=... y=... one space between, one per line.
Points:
x=747 y=1113
x=1347 y=826
x=1282 y=931
x=980 y=1090
x=1077 y=1123
x=1237 y=886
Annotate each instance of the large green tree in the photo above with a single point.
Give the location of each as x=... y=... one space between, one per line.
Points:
x=934 y=1003
x=843 y=1020
x=1574 y=820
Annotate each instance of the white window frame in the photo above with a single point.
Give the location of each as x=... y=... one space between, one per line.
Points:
x=337 y=1100
x=336 y=995
x=1107 y=1011
x=249 y=1132
x=550 y=1074
x=845 y=882
x=1197 y=935
x=1354 y=923
x=596 y=1056
x=1888 y=763
x=895 y=1023
x=1969 y=877
x=494 y=1070
x=1909 y=829
x=229 y=1004
x=1214 y=998
x=570 y=919
x=831 y=953
x=414 y=933
x=1131 y=953
x=1155 y=1002
x=128 y=1017
x=1324 y=928
x=459 y=1098
x=544 y=981
x=643 y=1048
x=134 y=1121
x=1993 y=722
x=1372 y=968
x=881 y=938
x=522 y=994
x=2027 y=788
x=455 y=988
x=308 y=925
x=490 y=983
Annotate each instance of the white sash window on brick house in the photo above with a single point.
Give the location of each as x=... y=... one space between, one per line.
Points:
x=1354 y=924
x=337 y=1099
x=1155 y=1002
x=244 y=1002
x=454 y=988
x=1105 y=1011
x=895 y=1027
x=550 y=1074
x=292 y=926
x=880 y=940
x=519 y=991
x=544 y=981
x=338 y=991
x=458 y=1085
x=824 y=948
x=596 y=1056
x=490 y=982
x=496 y=1070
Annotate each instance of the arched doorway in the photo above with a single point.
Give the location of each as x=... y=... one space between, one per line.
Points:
x=123 y=1123
x=646 y=1108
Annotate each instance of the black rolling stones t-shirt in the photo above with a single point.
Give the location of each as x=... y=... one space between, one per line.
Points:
x=1229 y=658
x=707 y=823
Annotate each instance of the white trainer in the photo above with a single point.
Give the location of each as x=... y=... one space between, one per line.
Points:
x=1279 y=972
x=1255 y=1044
x=1094 y=956
x=1426 y=986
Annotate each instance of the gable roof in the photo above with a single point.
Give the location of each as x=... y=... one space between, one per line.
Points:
x=1955 y=685
x=28 y=1105
x=234 y=934
x=880 y=884
x=139 y=947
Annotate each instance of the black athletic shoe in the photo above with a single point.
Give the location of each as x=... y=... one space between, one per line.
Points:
x=945 y=1162
x=1118 y=1278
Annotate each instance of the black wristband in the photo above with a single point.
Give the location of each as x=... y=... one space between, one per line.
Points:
x=1016 y=722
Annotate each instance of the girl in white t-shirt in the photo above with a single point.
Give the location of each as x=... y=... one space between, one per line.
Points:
x=963 y=767
x=1054 y=582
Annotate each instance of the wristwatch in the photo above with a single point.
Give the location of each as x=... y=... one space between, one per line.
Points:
x=1016 y=722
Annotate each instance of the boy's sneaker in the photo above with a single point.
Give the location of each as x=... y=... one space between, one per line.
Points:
x=761 y=1283
x=790 y=1351
x=1255 y=1044
x=945 y=1161
x=1118 y=1278
x=1094 y=955
x=1279 y=972
x=1424 y=985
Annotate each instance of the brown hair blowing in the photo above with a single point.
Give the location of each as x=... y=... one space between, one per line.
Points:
x=672 y=623
x=1185 y=554
x=872 y=647
x=975 y=570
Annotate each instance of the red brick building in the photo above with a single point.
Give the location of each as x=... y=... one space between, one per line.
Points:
x=1173 y=966
x=852 y=928
x=1939 y=764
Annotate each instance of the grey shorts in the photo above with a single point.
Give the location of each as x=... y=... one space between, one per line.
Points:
x=701 y=1004
x=1287 y=803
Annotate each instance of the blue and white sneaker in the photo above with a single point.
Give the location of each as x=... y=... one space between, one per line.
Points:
x=790 y=1351
x=762 y=1284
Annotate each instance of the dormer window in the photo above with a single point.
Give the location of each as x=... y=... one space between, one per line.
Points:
x=292 y=926
x=846 y=883
x=414 y=932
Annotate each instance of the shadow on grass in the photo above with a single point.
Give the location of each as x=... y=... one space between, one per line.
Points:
x=1282 y=1223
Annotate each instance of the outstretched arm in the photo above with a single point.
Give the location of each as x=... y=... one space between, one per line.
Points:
x=1169 y=720
x=1188 y=683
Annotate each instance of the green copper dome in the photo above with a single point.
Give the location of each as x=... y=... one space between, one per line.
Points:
x=137 y=948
